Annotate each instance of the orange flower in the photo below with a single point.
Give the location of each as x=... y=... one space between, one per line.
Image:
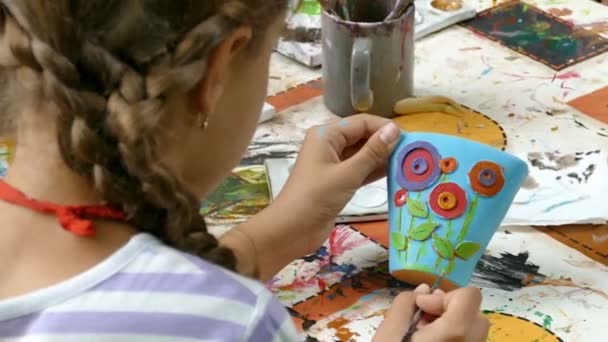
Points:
x=448 y=165
x=486 y=178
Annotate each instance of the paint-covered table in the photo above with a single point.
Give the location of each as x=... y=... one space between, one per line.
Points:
x=539 y=284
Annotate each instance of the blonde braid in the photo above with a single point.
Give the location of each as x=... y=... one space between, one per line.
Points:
x=110 y=114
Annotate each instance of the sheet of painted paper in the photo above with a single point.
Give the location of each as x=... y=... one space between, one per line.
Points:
x=243 y=194
x=563 y=188
x=537 y=34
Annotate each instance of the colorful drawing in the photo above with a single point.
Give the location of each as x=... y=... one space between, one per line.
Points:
x=439 y=184
x=538 y=34
x=241 y=195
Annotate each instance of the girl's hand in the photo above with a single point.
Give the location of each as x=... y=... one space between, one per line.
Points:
x=448 y=317
x=335 y=161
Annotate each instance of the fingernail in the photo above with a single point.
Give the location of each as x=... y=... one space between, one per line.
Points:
x=389 y=133
x=423 y=289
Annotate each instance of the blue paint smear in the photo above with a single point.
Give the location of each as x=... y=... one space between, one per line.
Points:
x=561 y=204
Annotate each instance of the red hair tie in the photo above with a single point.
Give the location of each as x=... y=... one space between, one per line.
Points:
x=75 y=219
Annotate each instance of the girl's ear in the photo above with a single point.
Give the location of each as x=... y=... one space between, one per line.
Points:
x=211 y=87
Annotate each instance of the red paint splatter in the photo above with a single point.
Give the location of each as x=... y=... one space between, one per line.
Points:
x=315 y=276
x=567 y=75
x=342 y=239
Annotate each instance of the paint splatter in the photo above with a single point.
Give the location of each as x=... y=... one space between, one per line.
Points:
x=320 y=270
x=564 y=203
x=470 y=48
x=322 y=131
x=508 y=272
x=341 y=240
x=552 y=161
x=560 y=12
x=547 y=319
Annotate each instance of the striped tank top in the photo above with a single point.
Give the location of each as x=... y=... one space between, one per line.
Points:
x=148 y=292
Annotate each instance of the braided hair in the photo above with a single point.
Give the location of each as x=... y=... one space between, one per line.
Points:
x=109 y=66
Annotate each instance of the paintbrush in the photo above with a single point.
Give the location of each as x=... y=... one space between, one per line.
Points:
x=398 y=10
x=411 y=329
x=344 y=8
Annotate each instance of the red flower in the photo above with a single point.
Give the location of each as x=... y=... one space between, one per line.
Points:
x=486 y=178
x=448 y=200
x=400 y=198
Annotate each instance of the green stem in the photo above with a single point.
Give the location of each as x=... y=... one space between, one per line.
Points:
x=420 y=251
x=450 y=230
x=400 y=227
x=409 y=229
x=468 y=219
x=438 y=263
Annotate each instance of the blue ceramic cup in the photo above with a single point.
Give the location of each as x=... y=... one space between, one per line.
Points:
x=447 y=198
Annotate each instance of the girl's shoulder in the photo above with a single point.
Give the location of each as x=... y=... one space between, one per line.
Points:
x=156 y=293
x=233 y=304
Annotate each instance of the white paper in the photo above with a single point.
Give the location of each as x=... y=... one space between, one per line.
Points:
x=370 y=203
x=268 y=112
x=563 y=188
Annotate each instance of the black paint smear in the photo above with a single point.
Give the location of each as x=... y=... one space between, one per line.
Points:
x=580 y=124
x=508 y=272
x=575 y=175
x=602 y=134
x=588 y=172
x=311 y=339
x=307 y=322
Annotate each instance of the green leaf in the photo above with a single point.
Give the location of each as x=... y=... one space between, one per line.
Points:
x=423 y=231
x=443 y=247
x=466 y=249
x=399 y=241
x=417 y=208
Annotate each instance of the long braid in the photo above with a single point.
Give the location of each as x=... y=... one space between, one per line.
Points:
x=110 y=113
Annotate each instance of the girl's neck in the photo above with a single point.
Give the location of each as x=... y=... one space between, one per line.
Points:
x=35 y=244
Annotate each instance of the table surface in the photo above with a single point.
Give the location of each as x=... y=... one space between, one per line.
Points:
x=538 y=284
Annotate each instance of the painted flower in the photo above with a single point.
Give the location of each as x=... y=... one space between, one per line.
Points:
x=400 y=198
x=487 y=178
x=419 y=166
x=448 y=200
x=448 y=165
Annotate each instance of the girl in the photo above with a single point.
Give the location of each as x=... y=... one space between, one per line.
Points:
x=125 y=113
